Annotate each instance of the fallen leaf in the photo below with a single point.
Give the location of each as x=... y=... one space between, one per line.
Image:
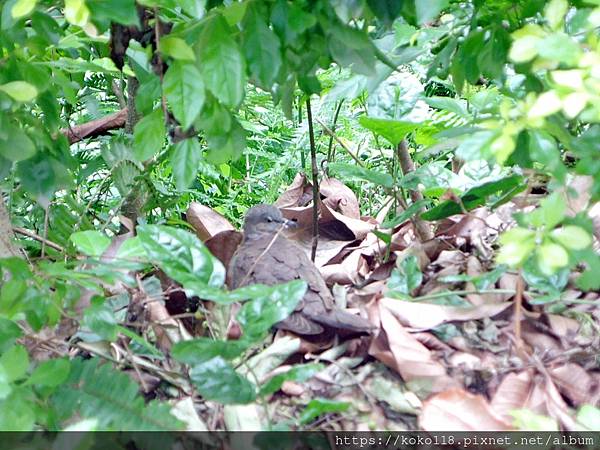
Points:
x=425 y=316
x=206 y=221
x=513 y=393
x=399 y=350
x=459 y=410
x=224 y=244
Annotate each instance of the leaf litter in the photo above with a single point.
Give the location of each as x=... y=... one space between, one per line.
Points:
x=443 y=355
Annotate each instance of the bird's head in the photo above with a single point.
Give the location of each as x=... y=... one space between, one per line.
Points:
x=263 y=220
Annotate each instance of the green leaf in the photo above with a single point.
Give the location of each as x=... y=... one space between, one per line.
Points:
x=427 y=10
x=103 y=12
x=517 y=245
x=262 y=48
x=385 y=10
x=392 y=130
x=16 y=145
x=408 y=213
x=572 y=237
x=227 y=146
x=90 y=242
x=185 y=159
x=275 y=304
x=497 y=192
x=354 y=172
x=131 y=249
x=201 y=349
x=525 y=419
x=97 y=390
x=76 y=12
x=9 y=332
x=42 y=176
x=22 y=8
x=181 y=255
x=51 y=373
x=220 y=62
x=320 y=406
x=550 y=213
x=149 y=135
x=20 y=91
x=16 y=412
x=551 y=257
x=101 y=321
x=351 y=47
x=216 y=380
x=589 y=417
x=299 y=374
x=176 y=48
x=184 y=89
x=14 y=363
x=405 y=278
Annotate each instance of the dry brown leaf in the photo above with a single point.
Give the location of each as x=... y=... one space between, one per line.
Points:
x=224 y=244
x=339 y=197
x=574 y=383
x=206 y=221
x=297 y=194
x=425 y=316
x=513 y=393
x=546 y=400
x=459 y=410
x=398 y=349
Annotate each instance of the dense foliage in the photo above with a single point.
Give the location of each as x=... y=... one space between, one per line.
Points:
x=208 y=102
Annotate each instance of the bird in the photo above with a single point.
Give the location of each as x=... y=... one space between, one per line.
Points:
x=266 y=256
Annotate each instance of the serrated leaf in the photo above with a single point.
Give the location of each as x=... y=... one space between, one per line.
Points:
x=14 y=363
x=216 y=380
x=9 y=332
x=90 y=242
x=221 y=62
x=184 y=89
x=262 y=48
x=185 y=159
x=392 y=130
x=149 y=135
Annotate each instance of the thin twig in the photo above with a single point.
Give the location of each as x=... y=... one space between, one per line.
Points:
x=330 y=152
x=315 y=182
x=518 y=304
x=32 y=235
x=337 y=139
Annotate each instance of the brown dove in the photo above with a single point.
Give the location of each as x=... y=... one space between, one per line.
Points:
x=265 y=256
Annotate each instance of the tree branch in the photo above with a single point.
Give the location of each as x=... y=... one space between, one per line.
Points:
x=96 y=127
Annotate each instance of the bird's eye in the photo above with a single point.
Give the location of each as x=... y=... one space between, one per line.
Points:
x=269 y=219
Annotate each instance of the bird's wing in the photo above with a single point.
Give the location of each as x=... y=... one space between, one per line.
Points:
x=299 y=324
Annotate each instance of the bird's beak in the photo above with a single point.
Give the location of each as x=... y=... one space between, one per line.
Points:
x=290 y=224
